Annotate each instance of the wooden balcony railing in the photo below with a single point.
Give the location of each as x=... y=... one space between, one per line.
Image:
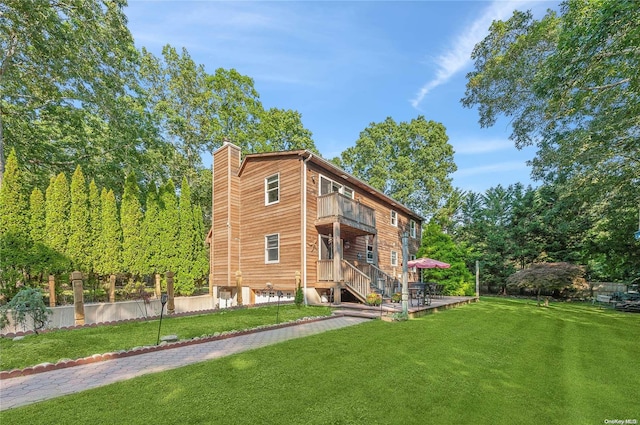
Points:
x=338 y=205
x=325 y=270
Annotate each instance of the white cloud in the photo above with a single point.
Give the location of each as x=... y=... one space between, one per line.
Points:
x=459 y=55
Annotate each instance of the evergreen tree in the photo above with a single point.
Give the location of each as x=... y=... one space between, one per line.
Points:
x=14 y=231
x=57 y=219
x=95 y=226
x=13 y=204
x=79 y=234
x=131 y=221
x=186 y=243
x=169 y=227
x=111 y=235
x=201 y=265
x=151 y=232
x=37 y=216
x=40 y=260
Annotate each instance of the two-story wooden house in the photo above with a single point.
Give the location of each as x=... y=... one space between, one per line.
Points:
x=284 y=218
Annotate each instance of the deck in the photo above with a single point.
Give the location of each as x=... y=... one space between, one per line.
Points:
x=388 y=308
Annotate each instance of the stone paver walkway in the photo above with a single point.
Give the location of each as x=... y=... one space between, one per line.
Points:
x=24 y=390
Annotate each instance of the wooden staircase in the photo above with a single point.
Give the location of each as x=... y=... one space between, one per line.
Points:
x=363 y=280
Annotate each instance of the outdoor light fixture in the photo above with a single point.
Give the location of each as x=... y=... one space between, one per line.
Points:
x=405 y=271
x=278 y=309
x=163 y=301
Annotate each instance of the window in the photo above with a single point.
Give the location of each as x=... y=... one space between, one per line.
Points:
x=272 y=189
x=272 y=248
x=394 y=218
x=412 y=269
x=369 y=250
x=329 y=186
x=394 y=258
x=346 y=191
x=412 y=228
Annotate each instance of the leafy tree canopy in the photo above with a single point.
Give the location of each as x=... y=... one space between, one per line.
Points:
x=68 y=90
x=549 y=276
x=408 y=161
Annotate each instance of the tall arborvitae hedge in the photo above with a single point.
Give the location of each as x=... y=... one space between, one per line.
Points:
x=79 y=231
x=13 y=203
x=151 y=233
x=14 y=234
x=186 y=244
x=111 y=236
x=169 y=227
x=37 y=216
x=40 y=258
x=95 y=226
x=131 y=222
x=57 y=220
x=201 y=266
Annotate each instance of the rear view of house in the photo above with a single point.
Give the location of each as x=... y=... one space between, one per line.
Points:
x=286 y=218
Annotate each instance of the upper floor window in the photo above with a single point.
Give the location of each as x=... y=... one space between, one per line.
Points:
x=412 y=228
x=329 y=186
x=272 y=189
x=272 y=248
x=394 y=259
x=394 y=218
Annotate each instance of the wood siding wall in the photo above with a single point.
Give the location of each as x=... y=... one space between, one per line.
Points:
x=225 y=246
x=259 y=220
x=388 y=238
x=240 y=201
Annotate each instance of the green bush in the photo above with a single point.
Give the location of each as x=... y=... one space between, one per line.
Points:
x=299 y=298
x=374 y=299
x=26 y=304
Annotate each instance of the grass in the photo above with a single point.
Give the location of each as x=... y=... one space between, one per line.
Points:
x=495 y=362
x=72 y=344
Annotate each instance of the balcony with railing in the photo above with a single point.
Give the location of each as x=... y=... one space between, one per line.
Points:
x=336 y=207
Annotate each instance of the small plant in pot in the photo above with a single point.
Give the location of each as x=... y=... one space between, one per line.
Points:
x=374 y=299
x=396 y=297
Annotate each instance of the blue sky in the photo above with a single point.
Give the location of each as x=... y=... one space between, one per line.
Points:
x=346 y=64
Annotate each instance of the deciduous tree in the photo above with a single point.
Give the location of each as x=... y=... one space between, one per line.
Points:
x=549 y=276
x=408 y=161
x=69 y=92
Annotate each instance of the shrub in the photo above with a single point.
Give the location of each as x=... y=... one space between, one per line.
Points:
x=26 y=304
x=396 y=297
x=299 y=298
x=374 y=299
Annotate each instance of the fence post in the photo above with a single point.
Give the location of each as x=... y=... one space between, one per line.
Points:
x=78 y=297
x=158 y=288
x=171 y=306
x=238 y=287
x=112 y=288
x=52 y=290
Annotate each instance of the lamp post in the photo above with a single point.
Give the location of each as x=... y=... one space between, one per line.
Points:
x=405 y=272
x=163 y=301
x=278 y=308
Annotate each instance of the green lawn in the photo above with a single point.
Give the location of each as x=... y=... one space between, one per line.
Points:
x=494 y=362
x=73 y=344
